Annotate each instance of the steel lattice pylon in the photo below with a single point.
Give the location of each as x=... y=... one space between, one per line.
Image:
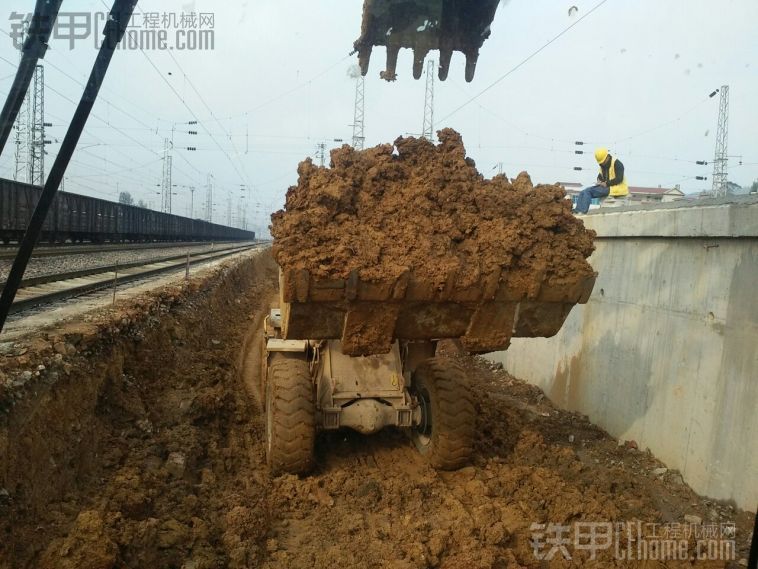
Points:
x=209 y=199
x=359 y=137
x=721 y=159
x=167 y=184
x=321 y=153
x=23 y=133
x=428 y=130
x=37 y=139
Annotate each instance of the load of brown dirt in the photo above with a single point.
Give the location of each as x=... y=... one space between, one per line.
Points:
x=420 y=207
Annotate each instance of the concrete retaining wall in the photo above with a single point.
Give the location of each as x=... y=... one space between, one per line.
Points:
x=666 y=351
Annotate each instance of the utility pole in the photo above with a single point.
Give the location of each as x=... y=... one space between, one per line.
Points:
x=192 y=202
x=359 y=137
x=167 y=187
x=37 y=133
x=428 y=130
x=209 y=200
x=229 y=209
x=720 y=160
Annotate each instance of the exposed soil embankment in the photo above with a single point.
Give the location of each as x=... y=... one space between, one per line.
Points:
x=130 y=443
x=146 y=450
x=423 y=208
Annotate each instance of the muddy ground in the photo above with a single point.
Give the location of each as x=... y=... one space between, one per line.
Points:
x=146 y=450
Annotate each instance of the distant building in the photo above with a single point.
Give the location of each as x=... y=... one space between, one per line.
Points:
x=636 y=194
x=659 y=194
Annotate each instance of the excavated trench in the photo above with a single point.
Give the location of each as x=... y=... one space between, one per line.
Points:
x=140 y=444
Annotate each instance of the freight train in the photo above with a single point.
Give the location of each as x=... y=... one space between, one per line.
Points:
x=75 y=218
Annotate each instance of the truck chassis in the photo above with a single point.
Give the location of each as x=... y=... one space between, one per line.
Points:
x=310 y=385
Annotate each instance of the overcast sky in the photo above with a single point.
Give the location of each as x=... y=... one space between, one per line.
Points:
x=635 y=76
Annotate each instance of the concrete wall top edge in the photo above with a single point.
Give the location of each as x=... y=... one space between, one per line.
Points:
x=730 y=220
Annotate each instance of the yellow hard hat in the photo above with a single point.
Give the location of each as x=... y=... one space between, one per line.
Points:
x=601 y=154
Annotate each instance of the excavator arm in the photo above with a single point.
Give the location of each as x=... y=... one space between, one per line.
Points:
x=423 y=26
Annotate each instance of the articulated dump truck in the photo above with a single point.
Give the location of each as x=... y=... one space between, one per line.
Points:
x=383 y=255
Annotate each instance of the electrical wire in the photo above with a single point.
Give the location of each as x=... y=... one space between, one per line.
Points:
x=119 y=130
x=119 y=173
x=288 y=92
x=113 y=127
x=191 y=112
x=664 y=124
x=49 y=63
x=246 y=178
x=526 y=60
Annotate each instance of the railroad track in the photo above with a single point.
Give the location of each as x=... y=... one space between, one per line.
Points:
x=52 y=288
x=63 y=250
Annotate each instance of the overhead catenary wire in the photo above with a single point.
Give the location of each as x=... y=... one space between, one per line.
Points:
x=664 y=124
x=192 y=113
x=49 y=63
x=246 y=178
x=137 y=142
x=572 y=141
x=189 y=109
x=117 y=129
x=525 y=60
x=284 y=94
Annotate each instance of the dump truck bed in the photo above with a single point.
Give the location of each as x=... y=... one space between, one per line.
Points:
x=369 y=316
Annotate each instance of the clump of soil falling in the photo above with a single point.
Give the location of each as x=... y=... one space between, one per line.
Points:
x=425 y=208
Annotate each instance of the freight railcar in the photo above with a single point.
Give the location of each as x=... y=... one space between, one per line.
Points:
x=75 y=218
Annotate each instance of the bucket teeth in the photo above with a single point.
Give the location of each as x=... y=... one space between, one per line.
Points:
x=364 y=59
x=391 y=73
x=471 y=59
x=446 y=55
x=418 y=62
x=424 y=26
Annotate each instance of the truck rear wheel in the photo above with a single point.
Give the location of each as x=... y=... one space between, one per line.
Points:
x=445 y=435
x=290 y=415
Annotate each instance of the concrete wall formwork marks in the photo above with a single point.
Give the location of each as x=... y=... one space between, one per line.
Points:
x=666 y=351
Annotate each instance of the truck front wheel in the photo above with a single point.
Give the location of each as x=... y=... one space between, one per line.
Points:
x=290 y=415
x=445 y=434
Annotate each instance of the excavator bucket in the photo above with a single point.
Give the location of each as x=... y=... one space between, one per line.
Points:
x=423 y=26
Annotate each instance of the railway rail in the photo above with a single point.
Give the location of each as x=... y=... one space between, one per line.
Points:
x=9 y=253
x=48 y=289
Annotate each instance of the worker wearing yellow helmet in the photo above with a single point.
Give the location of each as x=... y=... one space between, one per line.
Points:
x=611 y=181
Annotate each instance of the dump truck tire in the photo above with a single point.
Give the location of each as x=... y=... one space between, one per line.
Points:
x=445 y=436
x=290 y=415
x=263 y=371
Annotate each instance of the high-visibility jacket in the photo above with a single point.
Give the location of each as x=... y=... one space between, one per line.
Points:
x=619 y=190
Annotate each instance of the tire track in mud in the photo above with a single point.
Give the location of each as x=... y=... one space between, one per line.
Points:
x=177 y=477
x=374 y=502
